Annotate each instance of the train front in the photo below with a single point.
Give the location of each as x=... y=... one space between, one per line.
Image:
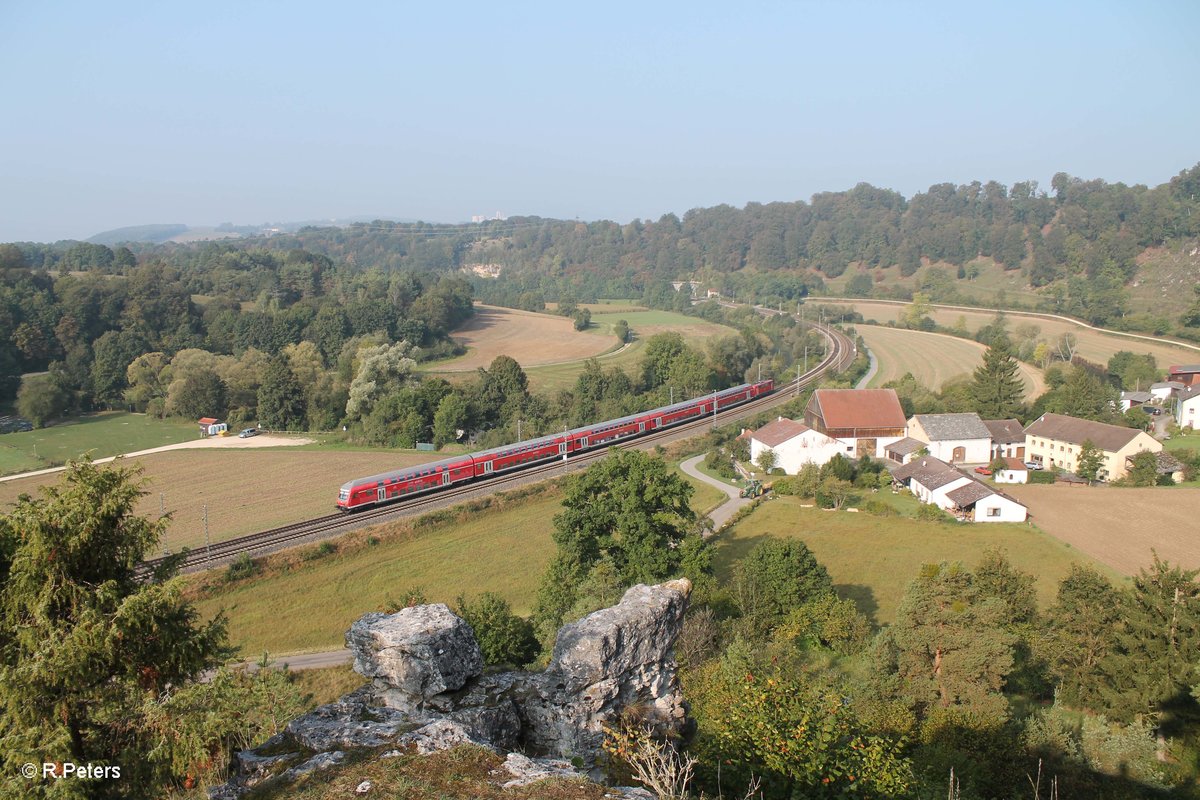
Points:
x=344 y=495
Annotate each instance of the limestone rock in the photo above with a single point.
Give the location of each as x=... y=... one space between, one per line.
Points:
x=351 y=722
x=526 y=770
x=415 y=653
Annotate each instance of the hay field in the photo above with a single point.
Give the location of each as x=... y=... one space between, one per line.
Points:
x=1119 y=527
x=245 y=490
x=1094 y=345
x=532 y=339
x=932 y=358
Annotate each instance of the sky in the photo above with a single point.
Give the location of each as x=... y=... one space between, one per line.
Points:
x=123 y=113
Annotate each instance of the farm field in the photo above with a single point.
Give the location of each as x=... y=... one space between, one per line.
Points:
x=992 y=278
x=1118 y=526
x=245 y=490
x=105 y=434
x=872 y=559
x=530 y=338
x=932 y=358
x=1094 y=345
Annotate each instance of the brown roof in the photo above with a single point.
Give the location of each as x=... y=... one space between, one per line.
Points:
x=1076 y=431
x=927 y=471
x=1015 y=464
x=903 y=447
x=208 y=421
x=859 y=408
x=776 y=433
x=1005 y=431
x=964 y=496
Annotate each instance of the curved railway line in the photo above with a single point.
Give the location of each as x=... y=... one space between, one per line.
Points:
x=839 y=353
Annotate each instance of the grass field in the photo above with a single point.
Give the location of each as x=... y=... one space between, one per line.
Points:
x=105 y=434
x=310 y=608
x=872 y=559
x=1119 y=527
x=932 y=358
x=1094 y=345
x=245 y=490
x=992 y=279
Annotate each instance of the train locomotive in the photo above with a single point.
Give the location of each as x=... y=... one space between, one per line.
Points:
x=388 y=487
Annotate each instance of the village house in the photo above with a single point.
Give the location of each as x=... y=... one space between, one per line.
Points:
x=865 y=421
x=955 y=438
x=1054 y=441
x=794 y=445
x=1134 y=399
x=905 y=449
x=1008 y=438
x=1187 y=407
x=1013 y=471
x=1187 y=374
x=1164 y=391
x=937 y=483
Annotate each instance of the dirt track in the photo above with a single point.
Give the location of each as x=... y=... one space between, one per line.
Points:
x=1120 y=527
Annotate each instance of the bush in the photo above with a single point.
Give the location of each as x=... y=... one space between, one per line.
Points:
x=1041 y=476
x=930 y=512
x=504 y=638
x=878 y=508
x=243 y=567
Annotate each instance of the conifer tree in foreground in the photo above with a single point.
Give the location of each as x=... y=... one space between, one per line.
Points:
x=996 y=387
x=87 y=651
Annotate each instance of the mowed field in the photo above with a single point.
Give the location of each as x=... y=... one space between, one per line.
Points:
x=102 y=435
x=872 y=559
x=530 y=338
x=1094 y=345
x=932 y=358
x=245 y=490
x=1119 y=527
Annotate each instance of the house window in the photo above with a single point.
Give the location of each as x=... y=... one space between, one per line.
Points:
x=993 y=512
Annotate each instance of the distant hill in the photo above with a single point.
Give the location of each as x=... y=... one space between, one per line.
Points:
x=152 y=234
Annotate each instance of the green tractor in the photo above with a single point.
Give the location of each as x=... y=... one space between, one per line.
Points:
x=753 y=489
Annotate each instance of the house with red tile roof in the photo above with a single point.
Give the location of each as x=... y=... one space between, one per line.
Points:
x=794 y=445
x=864 y=420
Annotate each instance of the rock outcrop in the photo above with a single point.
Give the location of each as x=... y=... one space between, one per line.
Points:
x=429 y=692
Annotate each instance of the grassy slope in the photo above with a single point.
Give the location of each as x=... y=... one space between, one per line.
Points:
x=310 y=607
x=105 y=434
x=872 y=559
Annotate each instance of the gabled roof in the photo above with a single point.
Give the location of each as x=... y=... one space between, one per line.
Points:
x=1076 y=431
x=903 y=447
x=208 y=420
x=1165 y=463
x=776 y=433
x=858 y=408
x=1015 y=464
x=1137 y=397
x=1005 y=431
x=945 y=427
x=964 y=496
x=928 y=471
x=1167 y=385
x=1188 y=392
x=1183 y=369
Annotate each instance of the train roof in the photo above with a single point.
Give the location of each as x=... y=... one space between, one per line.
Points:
x=521 y=445
x=415 y=469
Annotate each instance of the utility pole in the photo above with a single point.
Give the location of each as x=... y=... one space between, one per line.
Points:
x=207 y=541
x=518 y=430
x=672 y=397
x=162 y=504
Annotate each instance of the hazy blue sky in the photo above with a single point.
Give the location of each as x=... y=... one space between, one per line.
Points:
x=122 y=113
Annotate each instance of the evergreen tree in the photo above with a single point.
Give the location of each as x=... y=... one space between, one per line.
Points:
x=1155 y=657
x=1079 y=632
x=996 y=387
x=1090 y=461
x=87 y=650
x=280 y=398
x=949 y=646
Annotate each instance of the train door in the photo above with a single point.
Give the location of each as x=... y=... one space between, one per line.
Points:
x=487 y=467
x=562 y=448
x=658 y=422
x=446 y=478
x=381 y=494
x=583 y=443
x=641 y=427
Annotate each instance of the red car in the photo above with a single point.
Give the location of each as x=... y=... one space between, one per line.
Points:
x=984 y=470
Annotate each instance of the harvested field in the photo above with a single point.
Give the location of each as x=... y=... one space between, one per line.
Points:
x=1119 y=527
x=932 y=358
x=245 y=490
x=1094 y=345
x=530 y=338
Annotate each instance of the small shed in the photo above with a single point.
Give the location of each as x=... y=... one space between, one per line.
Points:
x=1014 y=471
x=211 y=426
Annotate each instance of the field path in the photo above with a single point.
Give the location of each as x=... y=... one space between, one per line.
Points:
x=724 y=512
x=262 y=440
x=932 y=358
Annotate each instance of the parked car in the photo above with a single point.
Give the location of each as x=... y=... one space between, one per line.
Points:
x=247 y=433
x=1032 y=465
x=984 y=470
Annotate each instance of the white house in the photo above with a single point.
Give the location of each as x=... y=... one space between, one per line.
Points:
x=937 y=483
x=1134 y=399
x=1187 y=407
x=955 y=438
x=794 y=444
x=865 y=421
x=1165 y=391
x=1014 y=471
x=1008 y=438
x=1056 y=441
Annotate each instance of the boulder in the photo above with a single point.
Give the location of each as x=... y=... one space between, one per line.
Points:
x=415 y=654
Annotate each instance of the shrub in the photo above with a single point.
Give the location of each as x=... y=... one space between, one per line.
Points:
x=504 y=638
x=878 y=508
x=243 y=567
x=1041 y=476
x=930 y=512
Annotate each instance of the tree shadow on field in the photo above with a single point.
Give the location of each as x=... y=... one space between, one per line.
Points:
x=863 y=597
x=729 y=551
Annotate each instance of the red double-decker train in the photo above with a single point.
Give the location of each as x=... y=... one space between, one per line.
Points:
x=390 y=486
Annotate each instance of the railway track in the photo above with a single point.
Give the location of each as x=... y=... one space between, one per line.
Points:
x=839 y=353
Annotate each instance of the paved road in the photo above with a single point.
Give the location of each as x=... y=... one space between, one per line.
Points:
x=331 y=658
x=722 y=513
x=862 y=383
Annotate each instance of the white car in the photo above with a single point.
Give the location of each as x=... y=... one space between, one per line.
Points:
x=247 y=433
x=1032 y=465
